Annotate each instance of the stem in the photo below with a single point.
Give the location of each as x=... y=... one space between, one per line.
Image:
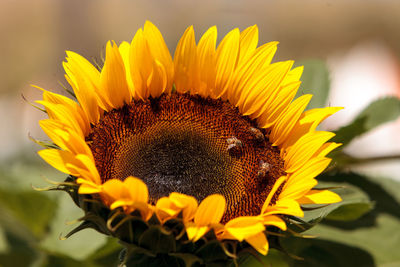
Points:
x=345 y=159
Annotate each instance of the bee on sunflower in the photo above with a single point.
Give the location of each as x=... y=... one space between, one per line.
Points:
x=181 y=158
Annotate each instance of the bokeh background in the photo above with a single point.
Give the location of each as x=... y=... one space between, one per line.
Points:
x=357 y=42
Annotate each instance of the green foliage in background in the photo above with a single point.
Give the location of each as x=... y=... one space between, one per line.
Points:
x=362 y=230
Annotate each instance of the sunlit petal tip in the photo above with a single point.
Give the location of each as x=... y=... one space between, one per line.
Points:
x=320 y=197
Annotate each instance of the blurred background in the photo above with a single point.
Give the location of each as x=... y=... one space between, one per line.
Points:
x=356 y=42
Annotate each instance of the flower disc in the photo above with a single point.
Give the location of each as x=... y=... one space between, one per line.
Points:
x=180 y=143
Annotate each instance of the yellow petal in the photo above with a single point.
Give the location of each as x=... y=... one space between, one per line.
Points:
x=253 y=69
x=326 y=148
x=157 y=81
x=308 y=121
x=304 y=149
x=65 y=137
x=185 y=60
x=320 y=197
x=84 y=79
x=75 y=111
x=244 y=227
x=58 y=159
x=188 y=204
x=159 y=51
x=210 y=210
x=165 y=209
x=124 y=49
x=271 y=111
x=137 y=64
x=297 y=189
x=207 y=61
x=64 y=115
x=195 y=232
x=259 y=242
x=286 y=122
x=276 y=221
x=227 y=54
x=271 y=194
x=113 y=190
x=113 y=79
x=88 y=162
x=264 y=92
x=285 y=207
x=87 y=187
x=293 y=75
x=137 y=189
x=248 y=42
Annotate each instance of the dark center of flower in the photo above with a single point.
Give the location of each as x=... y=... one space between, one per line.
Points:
x=188 y=144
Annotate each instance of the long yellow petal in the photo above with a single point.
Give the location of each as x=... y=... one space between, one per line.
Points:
x=207 y=61
x=58 y=159
x=159 y=51
x=252 y=69
x=124 y=49
x=185 y=60
x=271 y=111
x=271 y=194
x=261 y=94
x=244 y=227
x=304 y=149
x=113 y=78
x=285 y=207
x=75 y=111
x=276 y=221
x=308 y=121
x=259 y=242
x=227 y=54
x=210 y=210
x=320 y=197
x=86 y=81
x=248 y=43
x=287 y=121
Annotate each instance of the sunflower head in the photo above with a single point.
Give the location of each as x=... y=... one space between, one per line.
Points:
x=205 y=150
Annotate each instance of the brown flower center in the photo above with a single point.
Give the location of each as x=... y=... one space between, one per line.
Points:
x=188 y=144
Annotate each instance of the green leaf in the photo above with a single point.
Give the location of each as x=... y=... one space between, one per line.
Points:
x=61 y=260
x=78 y=246
x=352 y=198
x=350 y=212
x=315 y=81
x=274 y=258
x=377 y=232
x=378 y=112
x=107 y=255
x=33 y=209
x=325 y=253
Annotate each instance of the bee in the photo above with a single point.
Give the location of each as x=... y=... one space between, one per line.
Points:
x=264 y=169
x=257 y=134
x=234 y=144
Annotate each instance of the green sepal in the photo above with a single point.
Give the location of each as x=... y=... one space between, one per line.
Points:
x=212 y=251
x=158 y=240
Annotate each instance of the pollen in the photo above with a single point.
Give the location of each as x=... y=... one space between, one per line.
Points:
x=184 y=143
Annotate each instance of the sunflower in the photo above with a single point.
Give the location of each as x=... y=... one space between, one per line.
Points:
x=213 y=136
